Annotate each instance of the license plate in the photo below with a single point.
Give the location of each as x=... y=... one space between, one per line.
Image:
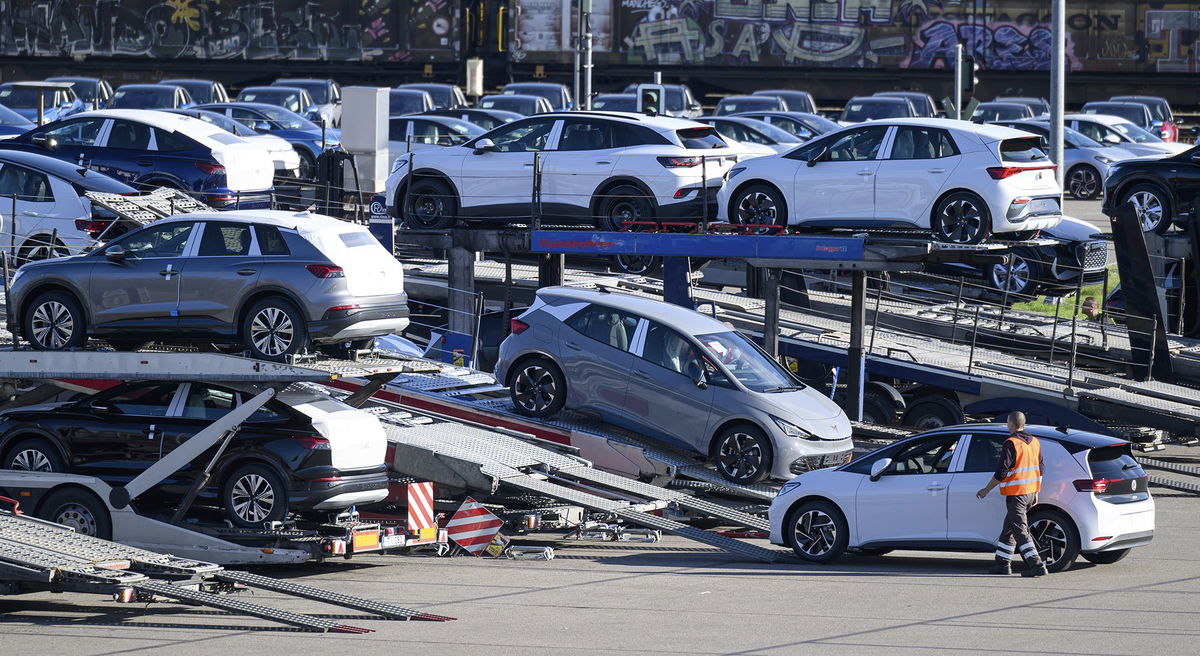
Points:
x=1043 y=206
x=366 y=541
x=393 y=541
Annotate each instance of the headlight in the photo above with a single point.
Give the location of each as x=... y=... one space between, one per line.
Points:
x=1104 y=160
x=398 y=164
x=792 y=430
x=788 y=487
x=734 y=171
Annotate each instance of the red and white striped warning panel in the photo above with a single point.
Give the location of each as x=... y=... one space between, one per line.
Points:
x=420 y=507
x=473 y=526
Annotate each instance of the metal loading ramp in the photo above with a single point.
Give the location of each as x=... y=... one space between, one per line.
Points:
x=510 y=461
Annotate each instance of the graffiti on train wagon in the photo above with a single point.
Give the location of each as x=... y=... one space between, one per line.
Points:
x=327 y=30
x=995 y=46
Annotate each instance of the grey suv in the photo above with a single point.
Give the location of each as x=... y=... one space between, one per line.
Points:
x=272 y=282
x=672 y=374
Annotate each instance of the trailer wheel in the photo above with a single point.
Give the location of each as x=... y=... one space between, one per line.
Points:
x=78 y=509
x=933 y=412
x=254 y=495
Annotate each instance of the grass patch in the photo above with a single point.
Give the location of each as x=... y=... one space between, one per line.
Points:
x=1070 y=303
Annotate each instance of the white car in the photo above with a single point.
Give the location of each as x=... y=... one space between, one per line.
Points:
x=287 y=160
x=962 y=181
x=919 y=493
x=1119 y=131
x=754 y=136
x=420 y=133
x=597 y=168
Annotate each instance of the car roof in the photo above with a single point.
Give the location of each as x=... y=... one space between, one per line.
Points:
x=1001 y=103
x=1113 y=103
x=767 y=92
x=902 y=94
x=1106 y=119
x=555 y=85
x=309 y=221
x=159 y=119
x=985 y=131
x=659 y=122
x=877 y=99
x=176 y=80
x=408 y=92
x=1072 y=436
x=67 y=78
x=304 y=80
x=518 y=96
x=1137 y=98
x=671 y=315
x=744 y=98
x=271 y=87
x=156 y=86
x=88 y=179
x=427 y=85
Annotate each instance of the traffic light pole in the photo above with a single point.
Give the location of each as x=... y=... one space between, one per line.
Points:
x=1058 y=80
x=586 y=29
x=958 y=80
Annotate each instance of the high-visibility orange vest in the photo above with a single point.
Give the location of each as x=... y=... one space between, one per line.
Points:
x=1026 y=476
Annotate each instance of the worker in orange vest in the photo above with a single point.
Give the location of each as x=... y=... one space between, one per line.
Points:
x=1020 y=478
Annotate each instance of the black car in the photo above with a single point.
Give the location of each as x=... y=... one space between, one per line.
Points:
x=301 y=452
x=1163 y=190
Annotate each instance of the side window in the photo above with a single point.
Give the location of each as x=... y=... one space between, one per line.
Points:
x=143 y=400
x=983 y=455
x=129 y=135
x=605 y=325
x=398 y=130
x=930 y=456
x=245 y=117
x=82 y=132
x=670 y=350
x=171 y=142
x=586 y=135
x=168 y=240
x=527 y=136
x=922 y=143
x=206 y=402
x=270 y=241
x=426 y=132
x=224 y=239
x=25 y=184
x=857 y=145
x=811 y=149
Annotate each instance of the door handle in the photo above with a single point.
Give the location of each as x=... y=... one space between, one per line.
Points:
x=168 y=273
x=935 y=487
x=866 y=173
x=573 y=346
x=530 y=165
x=145 y=162
x=247 y=272
x=603 y=161
x=935 y=171
x=641 y=373
x=149 y=432
x=29 y=213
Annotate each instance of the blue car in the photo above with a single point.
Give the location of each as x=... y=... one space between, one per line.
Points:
x=149 y=149
x=304 y=135
x=59 y=101
x=201 y=91
x=150 y=96
x=12 y=123
x=93 y=91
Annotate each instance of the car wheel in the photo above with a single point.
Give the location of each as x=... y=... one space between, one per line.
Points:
x=253 y=494
x=1105 y=557
x=743 y=454
x=430 y=205
x=40 y=247
x=1084 y=182
x=622 y=204
x=962 y=218
x=538 y=388
x=55 y=322
x=759 y=205
x=308 y=165
x=35 y=454
x=638 y=265
x=933 y=412
x=1018 y=278
x=817 y=531
x=1152 y=206
x=1056 y=538
x=78 y=509
x=273 y=329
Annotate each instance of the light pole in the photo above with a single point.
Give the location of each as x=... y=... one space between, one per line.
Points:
x=1058 y=80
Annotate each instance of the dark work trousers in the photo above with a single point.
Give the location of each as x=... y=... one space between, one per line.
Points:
x=1015 y=536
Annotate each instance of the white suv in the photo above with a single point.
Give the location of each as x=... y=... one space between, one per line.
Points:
x=598 y=168
x=961 y=180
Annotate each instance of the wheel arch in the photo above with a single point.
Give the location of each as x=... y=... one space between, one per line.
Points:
x=787 y=207
x=402 y=186
x=730 y=423
x=526 y=357
x=932 y=215
x=1143 y=178
x=617 y=181
x=1066 y=514
x=819 y=496
x=22 y=306
x=27 y=431
x=264 y=293
x=231 y=463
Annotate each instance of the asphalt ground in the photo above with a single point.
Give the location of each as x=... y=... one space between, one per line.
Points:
x=676 y=596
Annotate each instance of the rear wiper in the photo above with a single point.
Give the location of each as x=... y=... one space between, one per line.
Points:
x=1132 y=465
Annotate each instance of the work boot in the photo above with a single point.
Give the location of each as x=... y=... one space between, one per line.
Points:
x=1002 y=566
x=1036 y=569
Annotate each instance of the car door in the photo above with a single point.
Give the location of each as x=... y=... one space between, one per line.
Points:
x=125 y=151
x=74 y=141
x=908 y=502
x=662 y=395
x=124 y=431
x=198 y=406
x=141 y=291
x=499 y=181
x=582 y=159
x=837 y=187
x=971 y=519
x=224 y=269
x=920 y=163
x=594 y=353
x=29 y=193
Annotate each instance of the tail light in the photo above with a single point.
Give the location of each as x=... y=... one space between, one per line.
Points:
x=326 y=271
x=1002 y=172
x=1098 y=485
x=208 y=168
x=679 y=162
x=91 y=227
x=518 y=326
x=311 y=442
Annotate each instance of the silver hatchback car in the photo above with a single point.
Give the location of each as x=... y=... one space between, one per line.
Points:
x=271 y=282
x=672 y=374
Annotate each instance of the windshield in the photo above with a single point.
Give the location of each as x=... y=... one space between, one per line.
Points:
x=552 y=94
x=25 y=98
x=775 y=134
x=143 y=98
x=286 y=99
x=405 y=103
x=747 y=363
x=319 y=91
x=857 y=112
x=9 y=117
x=617 y=103
x=748 y=105
x=1133 y=113
x=1135 y=133
x=286 y=120
x=84 y=89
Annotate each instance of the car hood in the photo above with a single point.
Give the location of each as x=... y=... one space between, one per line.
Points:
x=810 y=410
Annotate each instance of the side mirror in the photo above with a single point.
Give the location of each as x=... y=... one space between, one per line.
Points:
x=819 y=157
x=484 y=145
x=262 y=126
x=103 y=408
x=44 y=142
x=116 y=255
x=804 y=134
x=879 y=467
x=694 y=107
x=1112 y=139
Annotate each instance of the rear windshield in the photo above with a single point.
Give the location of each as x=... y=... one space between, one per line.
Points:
x=750 y=105
x=356 y=239
x=700 y=138
x=1114 y=462
x=1133 y=113
x=857 y=112
x=1023 y=149
x=1000 y=113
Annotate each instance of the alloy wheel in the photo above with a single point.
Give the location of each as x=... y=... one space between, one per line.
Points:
x=1011 y=278
x=428 y=209
x=1149 y=209
x=1083 y=183
x=961 y=221
x=272 y=331
x=636 y=264
x=253 y=498
x=757 y=208
x=815 y=532
x=535 y=389
x=31 y=460
x=52 y=324
x=741 y=455
x=77 y=517
x=621 y=212
x=1051 y=539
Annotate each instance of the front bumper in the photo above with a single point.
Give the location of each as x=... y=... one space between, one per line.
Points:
x=366 y=321
x=806 y=455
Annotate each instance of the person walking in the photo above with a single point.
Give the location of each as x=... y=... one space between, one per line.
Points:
x=1020 y=478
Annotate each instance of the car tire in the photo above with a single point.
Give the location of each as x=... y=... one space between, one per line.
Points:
x=759 y=204
x=80 y=510
x=743 y=454
x=878 y=407
x=252 y=495
x=933 y=412
x=308 y=165
x=1084 y=182
x=274 y=329
x=637 y=265
x=1056 y=537
x=817 y=531
x=55 y=322
x=537 y=388
x=1020 y=276
x=430 y=204
x=620 y=204
x=962 y=218
x=34 y=454
x=40 y=247
x=1152 y=205
x=1105 y=557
